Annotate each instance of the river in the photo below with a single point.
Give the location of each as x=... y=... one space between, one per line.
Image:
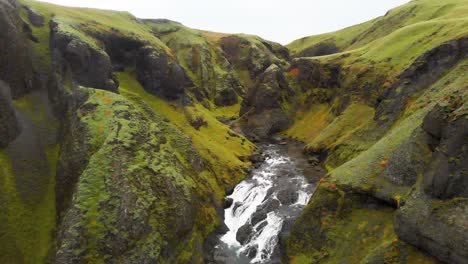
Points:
x=265 y=204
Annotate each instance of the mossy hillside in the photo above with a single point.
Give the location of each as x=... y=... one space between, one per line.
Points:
x=362 y=172
x=387 y=46
x=201 y=58
x=221 y=150
x=251 y=55
x=130 y=205
x=343 y=227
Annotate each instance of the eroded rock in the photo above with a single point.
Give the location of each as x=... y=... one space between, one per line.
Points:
x=9 y=126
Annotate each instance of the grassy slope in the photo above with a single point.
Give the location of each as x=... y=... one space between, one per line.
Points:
x=213 y=141
x=386 y=45
x=389 y=44
x=414 y=13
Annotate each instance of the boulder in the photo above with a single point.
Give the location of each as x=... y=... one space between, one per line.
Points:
x=244 y=233
x=286 y=197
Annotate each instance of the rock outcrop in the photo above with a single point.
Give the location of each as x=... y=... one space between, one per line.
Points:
x=261 y=109
x=9 y=126
x=434 y=217
x=160 y=74
x=15 y=63
x=88 y=64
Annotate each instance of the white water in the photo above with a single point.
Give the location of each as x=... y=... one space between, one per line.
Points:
x=278 y=172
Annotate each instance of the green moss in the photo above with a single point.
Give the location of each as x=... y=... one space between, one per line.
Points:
x=337 y=227
x=26 y=225
x=86 y=23
x=213 y=142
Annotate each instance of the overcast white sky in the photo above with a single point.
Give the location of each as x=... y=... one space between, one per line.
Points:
x=278 y=20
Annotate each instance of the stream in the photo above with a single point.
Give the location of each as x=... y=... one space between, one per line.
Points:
x=265 y=205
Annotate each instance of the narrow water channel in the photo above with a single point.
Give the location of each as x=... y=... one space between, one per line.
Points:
x=265 y=204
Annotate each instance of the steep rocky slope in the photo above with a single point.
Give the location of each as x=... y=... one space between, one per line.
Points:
x=119 y=137
x=380 y=110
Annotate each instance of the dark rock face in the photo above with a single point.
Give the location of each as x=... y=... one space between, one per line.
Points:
x=426 y=69
x=9 y=126
x=446 y=175
x=255 y=57
x=434 y=218
x=311 y=73
x=160 y=74
x=438 y=227
x=408 y=160
x=15 y=63
x=322 y=48
x=35 y=18
x=261 y=108
x=89 y=65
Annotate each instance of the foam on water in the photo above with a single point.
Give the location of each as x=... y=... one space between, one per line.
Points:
x=251 y=194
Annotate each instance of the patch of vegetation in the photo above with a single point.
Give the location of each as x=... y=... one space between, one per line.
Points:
x=27 y=186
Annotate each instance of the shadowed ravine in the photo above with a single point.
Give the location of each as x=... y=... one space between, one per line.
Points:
x=264 y=206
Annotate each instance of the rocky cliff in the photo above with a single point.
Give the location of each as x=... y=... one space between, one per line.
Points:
x=119 y=137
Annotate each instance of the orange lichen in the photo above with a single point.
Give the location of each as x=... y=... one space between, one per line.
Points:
x=294 y=71
x=107 y=100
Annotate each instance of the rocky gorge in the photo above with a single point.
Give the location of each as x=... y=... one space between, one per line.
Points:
x=127 y=140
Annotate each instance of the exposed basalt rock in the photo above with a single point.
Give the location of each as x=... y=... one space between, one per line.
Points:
x=434 y=216
x=253 y=55
x=262 y=107
x=409 y=160
x=244 y=233
x=89 y=65
x=203 y=60
x=15 y=63
x=312 y=74
x=320 y=49
x=446 y=175
x=287 y=198
x=160 y=74
x=123 y=51
x=438 y=227
x=9 y=126
x=35 y=18
x=424 y=71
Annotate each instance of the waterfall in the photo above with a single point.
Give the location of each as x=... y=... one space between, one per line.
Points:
x=276 y=192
